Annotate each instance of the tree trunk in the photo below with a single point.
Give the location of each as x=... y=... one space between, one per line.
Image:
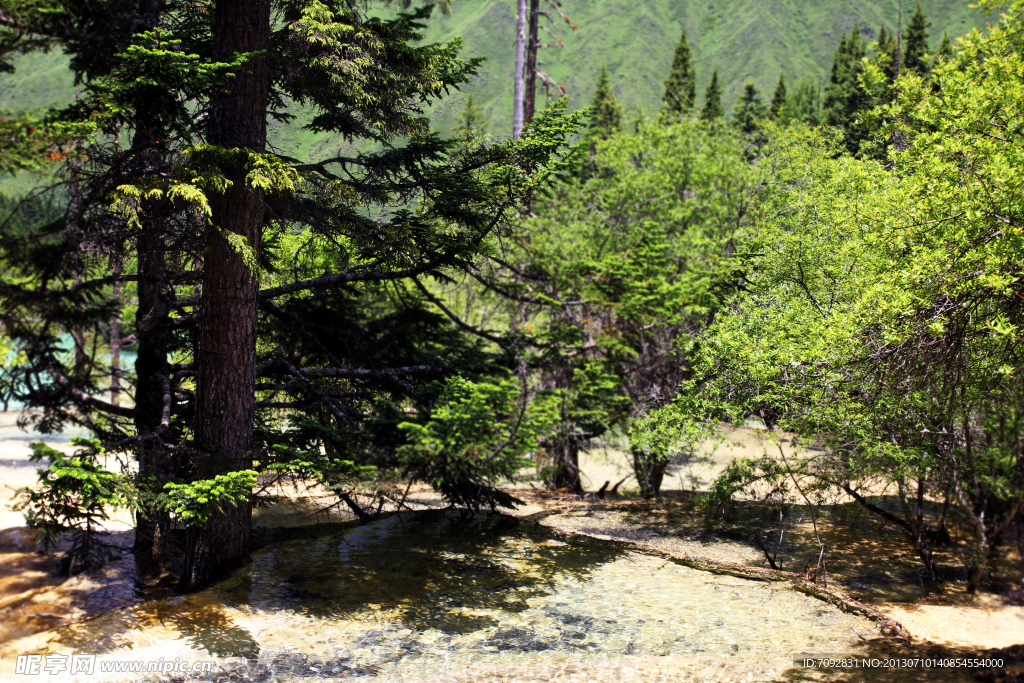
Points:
x=517 y=89
x=917 y=527
x=226 y=356
x=530 y=96
x=151 y=385
x=567 y=474
x=115 y=350
x=152 y=388
x=650 y=472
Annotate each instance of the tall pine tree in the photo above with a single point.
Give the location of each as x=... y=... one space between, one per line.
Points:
x=713 y=108
x=749 y=110
x=945 y=50
x=778 y=98
x=681 y=84
x=845 y=99
x=915 y=43
x=284 y=349
x=605 y=110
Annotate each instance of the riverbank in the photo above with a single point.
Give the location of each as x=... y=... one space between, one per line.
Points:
x=870 y=564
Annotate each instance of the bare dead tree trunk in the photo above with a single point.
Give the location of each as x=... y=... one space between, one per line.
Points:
x=530 y=96
x=226 y=356
x=518 y=85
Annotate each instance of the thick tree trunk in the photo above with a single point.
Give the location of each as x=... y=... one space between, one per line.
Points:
x=530 y=96
x=226 y=356
x=650 y=472
x=567 y=474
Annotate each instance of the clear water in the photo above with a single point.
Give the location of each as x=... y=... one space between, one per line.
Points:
x=435 y=595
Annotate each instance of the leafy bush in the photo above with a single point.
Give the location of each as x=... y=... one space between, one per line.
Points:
x=477 y=435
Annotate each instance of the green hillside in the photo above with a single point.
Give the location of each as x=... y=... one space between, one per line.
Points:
x=741 y=38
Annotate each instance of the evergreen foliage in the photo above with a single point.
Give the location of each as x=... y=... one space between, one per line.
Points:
x=192 y=195
x=681 y=85
x=845 y=99
x=749 y=110
x=802 y=104
x=945 y=50
x=74 y=496
x=471 y=123
x=778 y=99
x=605 y=111
x=915 y=43
x=713 y=100
x=452 y=311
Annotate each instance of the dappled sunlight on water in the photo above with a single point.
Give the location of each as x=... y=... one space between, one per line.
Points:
x=431 y=595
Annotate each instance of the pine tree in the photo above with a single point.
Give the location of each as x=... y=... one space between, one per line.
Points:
x=713 y=100
x=681 y=84
x=749 y=110
x=778 y=99
x=471 y=123
x=606 y=113
x=945 y=50
x=201 y=199
x=802 y=103
x=915 y=43
x=845 y=99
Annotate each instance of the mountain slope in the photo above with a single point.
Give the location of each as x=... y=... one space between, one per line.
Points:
x=741 y=38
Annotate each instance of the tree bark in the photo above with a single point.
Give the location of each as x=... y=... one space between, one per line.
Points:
x=650 y=472
x=917 y=527
x=152 y=409
x=226 y=356
x=568 y=473
x=151 y=387
x=115 y=350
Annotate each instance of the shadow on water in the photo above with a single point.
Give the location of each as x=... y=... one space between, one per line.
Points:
x=436 y=593
x=430 y=570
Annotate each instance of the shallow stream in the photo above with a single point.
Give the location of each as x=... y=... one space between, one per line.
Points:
x=430 y=595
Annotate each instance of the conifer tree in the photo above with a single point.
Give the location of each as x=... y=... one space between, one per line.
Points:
x=915 y=43
x=885 y=53
x=845 y=99
x=749 y=110
x=606 y=112
x=778 y=99
x=196 y=197
x=681 y=84
x=945 y=50
x=802 y=103
x=471 y=123
x=713 y=108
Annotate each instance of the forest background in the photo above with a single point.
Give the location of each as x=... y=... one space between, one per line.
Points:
x=839 y=260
